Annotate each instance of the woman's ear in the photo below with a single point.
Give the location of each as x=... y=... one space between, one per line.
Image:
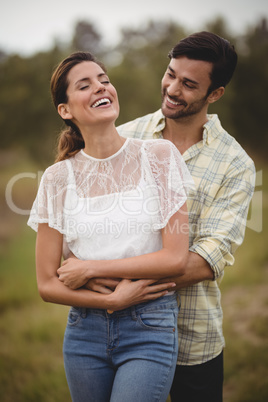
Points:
x=64 y=112
x=216 y=95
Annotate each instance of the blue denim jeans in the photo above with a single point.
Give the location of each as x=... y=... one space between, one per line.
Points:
x=127 y=356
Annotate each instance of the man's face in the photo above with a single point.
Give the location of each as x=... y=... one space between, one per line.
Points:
x=184 y=88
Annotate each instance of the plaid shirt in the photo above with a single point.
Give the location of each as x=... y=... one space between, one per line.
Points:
x=224 y=177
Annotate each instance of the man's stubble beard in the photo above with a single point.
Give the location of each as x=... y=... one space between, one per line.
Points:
x=187 y=111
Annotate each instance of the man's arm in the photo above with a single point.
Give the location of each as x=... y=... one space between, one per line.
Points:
x=197 y=270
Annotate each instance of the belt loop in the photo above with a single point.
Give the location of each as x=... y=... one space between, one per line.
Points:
x=83 y=312
x=133 y=313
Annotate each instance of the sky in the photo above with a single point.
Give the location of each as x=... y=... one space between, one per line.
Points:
x=29 y=26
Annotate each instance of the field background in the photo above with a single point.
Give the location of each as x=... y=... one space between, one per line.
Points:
x=31 y=331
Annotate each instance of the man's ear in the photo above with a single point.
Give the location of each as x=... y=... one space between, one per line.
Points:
x=216 y=95
x=64 y=112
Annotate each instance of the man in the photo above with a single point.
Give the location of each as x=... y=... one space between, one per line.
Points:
x=200 y=67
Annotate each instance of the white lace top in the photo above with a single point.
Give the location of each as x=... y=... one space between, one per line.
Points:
x=115 y=207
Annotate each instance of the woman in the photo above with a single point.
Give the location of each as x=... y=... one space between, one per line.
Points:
x=115 y=207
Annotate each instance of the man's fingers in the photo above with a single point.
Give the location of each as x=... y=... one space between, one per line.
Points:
x=103 y=290
x=162 y=287
x=110 y=283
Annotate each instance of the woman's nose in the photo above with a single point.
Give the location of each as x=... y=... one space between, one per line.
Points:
x=99 y=87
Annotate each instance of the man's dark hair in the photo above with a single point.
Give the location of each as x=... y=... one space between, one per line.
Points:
x=207 y=46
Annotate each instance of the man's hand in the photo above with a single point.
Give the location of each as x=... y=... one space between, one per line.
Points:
x=129 y=293
x=102 y=285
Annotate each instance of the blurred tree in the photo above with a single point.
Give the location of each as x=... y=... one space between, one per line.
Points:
x=220 y=27
x=223 y=106
x=27 y=118
x=249 y=104
x=136 y=66
x=3 y=56
x=144 y=60
x=242 y=109
x=86 y=38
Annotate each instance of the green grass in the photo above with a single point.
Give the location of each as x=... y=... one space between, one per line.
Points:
x=245 y=312
x=31 y=331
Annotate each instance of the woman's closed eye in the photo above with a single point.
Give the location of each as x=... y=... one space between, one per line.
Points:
x=87 y=86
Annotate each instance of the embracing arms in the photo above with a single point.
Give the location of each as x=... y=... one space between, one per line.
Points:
x=56 y=283
x=168 y=261
x=51 y=289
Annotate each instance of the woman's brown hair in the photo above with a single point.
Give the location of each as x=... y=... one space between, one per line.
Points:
x=70 y=139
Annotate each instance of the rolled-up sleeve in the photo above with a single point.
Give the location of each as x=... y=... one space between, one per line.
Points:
x=223 y=218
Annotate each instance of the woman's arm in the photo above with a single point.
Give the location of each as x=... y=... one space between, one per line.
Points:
x=51 y=289
x=169 y=261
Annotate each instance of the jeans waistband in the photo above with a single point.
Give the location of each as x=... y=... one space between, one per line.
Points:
x=165 y=302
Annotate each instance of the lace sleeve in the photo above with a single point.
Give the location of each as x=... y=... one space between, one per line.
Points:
x=48 y=206
x=171 y=176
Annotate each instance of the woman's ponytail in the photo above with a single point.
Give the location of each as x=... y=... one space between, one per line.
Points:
x=70 y=142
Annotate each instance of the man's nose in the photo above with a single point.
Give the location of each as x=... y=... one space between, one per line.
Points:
x=174 y=89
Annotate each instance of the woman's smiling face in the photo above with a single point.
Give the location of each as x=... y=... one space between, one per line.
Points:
x=92 y=99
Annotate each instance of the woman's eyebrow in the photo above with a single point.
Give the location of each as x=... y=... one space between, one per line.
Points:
x=88 y=79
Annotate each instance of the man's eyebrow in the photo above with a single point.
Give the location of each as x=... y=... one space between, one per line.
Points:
x=186 y=79
x=191 y=81
x=171 y=69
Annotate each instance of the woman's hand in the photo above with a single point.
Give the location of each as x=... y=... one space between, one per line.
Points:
x=128 y=293
x=74 y=273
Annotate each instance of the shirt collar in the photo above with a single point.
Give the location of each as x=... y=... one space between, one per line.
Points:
x=212 y=128
x=158 y=124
